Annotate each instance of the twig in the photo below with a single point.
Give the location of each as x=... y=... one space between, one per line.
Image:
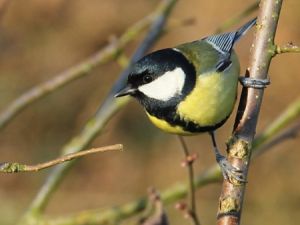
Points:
x=236 y=19
x=179 y=191
x=289 y=133
x=18 y=167
x=288 y=48
x=96 y=123
x=290 y=114
x=239 y=153
x=189 y=160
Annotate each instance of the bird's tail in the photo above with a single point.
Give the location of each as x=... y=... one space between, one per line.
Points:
x=240 y=32
x=224 y=42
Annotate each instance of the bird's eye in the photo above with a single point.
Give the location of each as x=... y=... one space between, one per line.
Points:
x=147 y=79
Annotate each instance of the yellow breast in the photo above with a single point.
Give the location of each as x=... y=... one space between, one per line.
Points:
x=212 y=100
x=165 y=126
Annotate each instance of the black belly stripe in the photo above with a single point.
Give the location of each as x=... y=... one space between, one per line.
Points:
x=174 y=120
x=193 y=127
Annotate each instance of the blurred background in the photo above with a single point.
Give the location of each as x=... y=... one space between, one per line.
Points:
x=39 y=39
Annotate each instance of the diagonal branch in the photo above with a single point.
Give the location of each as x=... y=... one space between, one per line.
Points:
x=108 y=53
x=239 y=153
x=18 y=167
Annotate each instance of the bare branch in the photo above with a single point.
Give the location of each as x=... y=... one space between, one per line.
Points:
x=289 y=133
x=189 y=160
x=288 y=48
x=232 y=194
x=291 y=113
x=18 y=167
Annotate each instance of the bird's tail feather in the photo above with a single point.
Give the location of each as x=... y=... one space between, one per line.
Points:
x=224 y=42
x=240 y=32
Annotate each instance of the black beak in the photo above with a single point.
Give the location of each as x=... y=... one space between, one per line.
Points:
x=128 y=90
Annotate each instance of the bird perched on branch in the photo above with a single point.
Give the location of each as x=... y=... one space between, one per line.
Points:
x=191 y=88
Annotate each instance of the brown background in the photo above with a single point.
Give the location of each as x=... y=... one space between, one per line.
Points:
x=41 y=38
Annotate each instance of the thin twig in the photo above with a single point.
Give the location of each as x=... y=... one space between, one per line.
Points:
x=288 y=48
x=179 y=191
x=18 y=167
x=291 y=113
x=289 y=133
x=189 y=160
x=94 y=126
x=239 y=152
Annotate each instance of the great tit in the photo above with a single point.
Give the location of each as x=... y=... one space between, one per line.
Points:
x=191 y=88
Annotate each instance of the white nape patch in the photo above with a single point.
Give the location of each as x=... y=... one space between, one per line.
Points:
x=177 y=50
x=166 y=86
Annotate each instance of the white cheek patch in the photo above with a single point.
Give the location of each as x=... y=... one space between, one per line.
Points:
x=166 y=86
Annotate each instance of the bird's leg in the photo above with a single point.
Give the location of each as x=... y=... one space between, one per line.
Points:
x=227 y=169
x=249 y=82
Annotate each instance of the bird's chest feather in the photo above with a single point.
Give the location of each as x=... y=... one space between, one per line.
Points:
x=212 y=99
x=166 y=126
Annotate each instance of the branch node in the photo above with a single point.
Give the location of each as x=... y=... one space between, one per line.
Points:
x=189 y=160
x=229 y=205
x=11 y=167
x=184 y=209
x=181 y=206
x=288 y=48
x=238 y=148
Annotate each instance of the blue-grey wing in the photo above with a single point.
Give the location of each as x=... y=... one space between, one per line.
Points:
x=224 y=43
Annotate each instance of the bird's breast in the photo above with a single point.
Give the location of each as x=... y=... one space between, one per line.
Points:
x=212 y=100
x=168 y=127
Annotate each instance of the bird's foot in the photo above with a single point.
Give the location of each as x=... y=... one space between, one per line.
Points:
x=230 y=173
x=249 y=82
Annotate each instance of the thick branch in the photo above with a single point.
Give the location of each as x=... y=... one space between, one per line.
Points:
x=18 y=167
x=232 y=194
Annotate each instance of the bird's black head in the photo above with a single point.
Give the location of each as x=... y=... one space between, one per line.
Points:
x=160 y=79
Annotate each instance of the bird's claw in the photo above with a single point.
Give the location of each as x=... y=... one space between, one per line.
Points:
x=230 y=173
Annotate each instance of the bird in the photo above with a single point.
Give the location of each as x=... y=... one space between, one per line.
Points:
x=191 y=88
